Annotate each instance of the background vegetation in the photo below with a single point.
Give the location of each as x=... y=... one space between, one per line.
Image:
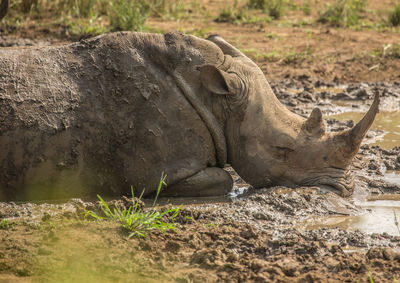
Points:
x=85 y=18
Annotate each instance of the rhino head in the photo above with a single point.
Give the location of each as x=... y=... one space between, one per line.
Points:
x=269 y=145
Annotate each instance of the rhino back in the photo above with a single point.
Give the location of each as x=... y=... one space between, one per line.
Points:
x=99 y=115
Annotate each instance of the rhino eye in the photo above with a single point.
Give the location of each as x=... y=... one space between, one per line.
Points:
x=284 y=149
x=325 y=158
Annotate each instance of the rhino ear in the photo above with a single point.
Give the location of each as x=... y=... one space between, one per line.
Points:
x=216 y=80
x=315 y=124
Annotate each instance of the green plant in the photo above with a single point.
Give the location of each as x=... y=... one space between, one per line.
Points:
x=84 y=8
x=232 y=15
x=294 y=57
x=306 y=8
x=239 y=15
x=257 y=4
x=128 y=15
x=137 y=221
x=272 y=56
x=388 y=51
x=275 y=8
x=77 y=8
x=394 y=16
x=47 y=226
x=89 y=17
x=85 y=28
x=26 y=5
x=370 y=278
x=5 y=224
x=343 y=13
x=172 y=9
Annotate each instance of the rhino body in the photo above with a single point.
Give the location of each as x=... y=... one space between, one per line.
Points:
x=105 y=114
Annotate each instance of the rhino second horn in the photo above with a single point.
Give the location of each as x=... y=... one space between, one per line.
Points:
x=315 y=123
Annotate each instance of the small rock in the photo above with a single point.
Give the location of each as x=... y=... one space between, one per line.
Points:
x=250 y=233
x=342 y=96
x=262 y=216
x=373 y=165
x=331 y=263
x=288 y=267
x=257 y=264
x=387 y=254
x=374 y=253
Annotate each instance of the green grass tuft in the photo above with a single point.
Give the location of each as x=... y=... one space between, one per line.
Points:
x=370 y=278
x=394 y=17
x=140 y=222
x=5 y=224
x=233 y=15
x=128 y=15
x=84 y=18
x=306 y=7
x=343 y=13
x=274 y=8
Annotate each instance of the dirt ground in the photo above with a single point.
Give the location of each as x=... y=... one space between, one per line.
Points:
x=256 y=237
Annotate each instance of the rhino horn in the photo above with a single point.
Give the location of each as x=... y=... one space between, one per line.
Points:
x=358 y=132
x=315 y=124
x=353 y=137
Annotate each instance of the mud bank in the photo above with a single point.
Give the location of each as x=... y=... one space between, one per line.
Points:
x=260 y=237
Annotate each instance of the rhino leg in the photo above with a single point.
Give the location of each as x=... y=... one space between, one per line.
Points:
x=212 y=181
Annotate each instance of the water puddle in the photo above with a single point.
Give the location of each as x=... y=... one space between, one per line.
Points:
x=381 y=215
x=386 y=123
x=392 y=177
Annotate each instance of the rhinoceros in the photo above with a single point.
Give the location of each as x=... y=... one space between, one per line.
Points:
x=111 y=112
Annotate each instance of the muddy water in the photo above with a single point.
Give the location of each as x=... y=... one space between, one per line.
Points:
x=392 y=177
x=386 y=123
x=382 y=215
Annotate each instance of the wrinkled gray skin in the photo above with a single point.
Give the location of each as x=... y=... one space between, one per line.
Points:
x=103 y=114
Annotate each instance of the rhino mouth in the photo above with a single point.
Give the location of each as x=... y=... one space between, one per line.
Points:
x=339 y=180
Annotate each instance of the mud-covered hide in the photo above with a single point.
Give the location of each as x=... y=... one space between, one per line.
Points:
x=102 y=115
